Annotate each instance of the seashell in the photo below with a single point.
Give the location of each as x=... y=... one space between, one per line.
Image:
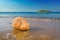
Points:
x=20 y=23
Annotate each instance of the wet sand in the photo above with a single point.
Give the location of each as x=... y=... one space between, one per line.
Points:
x=40 y=29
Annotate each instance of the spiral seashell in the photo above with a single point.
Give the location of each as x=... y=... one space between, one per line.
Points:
x=20 y=23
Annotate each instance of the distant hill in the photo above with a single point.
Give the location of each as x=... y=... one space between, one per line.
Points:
x=43 y=11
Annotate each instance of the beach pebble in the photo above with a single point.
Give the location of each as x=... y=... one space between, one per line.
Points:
x=20 y=23
x=10 y=36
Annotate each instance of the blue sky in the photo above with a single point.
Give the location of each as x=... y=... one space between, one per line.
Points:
x=29 y=5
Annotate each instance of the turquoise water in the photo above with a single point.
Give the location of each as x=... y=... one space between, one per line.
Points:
x=32 y=14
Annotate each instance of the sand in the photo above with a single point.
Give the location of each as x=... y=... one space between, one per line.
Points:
x=40 y=29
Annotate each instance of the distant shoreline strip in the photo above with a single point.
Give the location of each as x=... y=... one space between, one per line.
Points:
x=28 y=17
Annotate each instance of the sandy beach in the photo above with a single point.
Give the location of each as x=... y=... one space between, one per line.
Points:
x=40 y=29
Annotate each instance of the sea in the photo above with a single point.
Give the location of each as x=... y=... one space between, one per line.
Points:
x=55 y=15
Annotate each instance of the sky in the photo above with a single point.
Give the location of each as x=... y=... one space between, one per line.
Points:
x=29 y=5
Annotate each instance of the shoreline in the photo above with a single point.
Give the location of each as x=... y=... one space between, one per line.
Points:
x=34 y=18
x=28 y=17
x=38 y=26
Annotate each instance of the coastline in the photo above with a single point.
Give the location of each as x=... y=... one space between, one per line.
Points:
x=38 y=26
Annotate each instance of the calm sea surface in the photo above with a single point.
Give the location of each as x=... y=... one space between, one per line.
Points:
x=32 y=14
